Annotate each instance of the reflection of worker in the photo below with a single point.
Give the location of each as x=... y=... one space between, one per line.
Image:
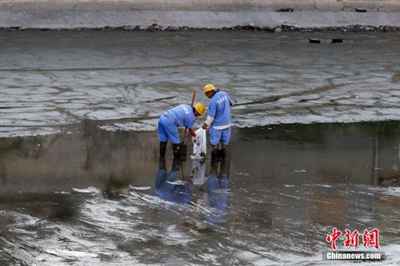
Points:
x=218 y=190
x=168 y=187
x=218 y=118
x=182 y=115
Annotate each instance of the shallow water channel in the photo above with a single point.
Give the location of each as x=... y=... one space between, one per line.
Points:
x=87 y=196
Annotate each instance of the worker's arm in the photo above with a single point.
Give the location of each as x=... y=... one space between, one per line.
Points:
x=188 y=123
x=211 y=111
x=208 y=122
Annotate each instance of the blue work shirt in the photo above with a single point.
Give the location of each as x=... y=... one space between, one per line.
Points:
x=181 y=115
x=220 y=109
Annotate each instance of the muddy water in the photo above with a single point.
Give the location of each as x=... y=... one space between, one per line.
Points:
x=88 y=196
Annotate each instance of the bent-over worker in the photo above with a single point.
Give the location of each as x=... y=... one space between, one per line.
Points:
x=182 y=115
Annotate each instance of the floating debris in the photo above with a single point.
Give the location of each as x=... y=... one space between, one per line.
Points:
x=89 y=190
x=393 y=191
x=139 y=188
x=360 y=10
x=396 y=77
x=337 y=40
x=333 y=40
x=314 y=40
x=197 y=225
x=285 y=10
x=300 y=171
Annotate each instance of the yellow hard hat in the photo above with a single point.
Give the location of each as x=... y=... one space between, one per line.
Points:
x=200 y=108
x=208 y=88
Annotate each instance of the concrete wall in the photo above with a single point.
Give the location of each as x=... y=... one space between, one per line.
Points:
x=196 y=13
x=90 y=156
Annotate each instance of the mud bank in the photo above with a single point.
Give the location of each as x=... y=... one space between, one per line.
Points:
x=52 y=79
x=277 y=29
x=197 y=14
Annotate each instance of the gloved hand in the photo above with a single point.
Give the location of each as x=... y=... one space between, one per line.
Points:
x=204 y=126
x=192 y=133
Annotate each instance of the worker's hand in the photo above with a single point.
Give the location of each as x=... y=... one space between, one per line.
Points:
x=204 y=126
x=192 y=133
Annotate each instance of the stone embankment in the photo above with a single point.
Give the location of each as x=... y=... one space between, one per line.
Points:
x=201 y=14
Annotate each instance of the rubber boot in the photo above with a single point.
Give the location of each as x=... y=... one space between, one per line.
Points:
x=175 y=164
x=162 y=165
x=214 y=160
x=221 y=153
x=176 y=150
x=183 y=152
x=225 y=162
x=163 y=149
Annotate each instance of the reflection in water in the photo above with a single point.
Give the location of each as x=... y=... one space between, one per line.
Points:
x=3 y=174
x=57 y=207
x=365 y=153
x=218 y=189
x=209 y=193
x=268 y=202
x=169 y=187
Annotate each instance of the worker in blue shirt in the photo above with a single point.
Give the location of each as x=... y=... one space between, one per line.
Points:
x=182 y=115
x=218 y=119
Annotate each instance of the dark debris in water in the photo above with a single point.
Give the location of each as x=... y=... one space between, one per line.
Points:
x=396 y=77
x=285 y=10
x=390 y=181
x=282 y=28
x=360 y=10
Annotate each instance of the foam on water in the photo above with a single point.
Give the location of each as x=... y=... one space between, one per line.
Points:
x=89 y=190
x=392 y=191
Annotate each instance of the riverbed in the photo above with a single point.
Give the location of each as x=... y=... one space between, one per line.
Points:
x=315 y=146
x=91 y=196
x=50 y=79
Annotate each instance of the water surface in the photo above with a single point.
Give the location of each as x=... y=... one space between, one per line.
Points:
x=90 y=196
